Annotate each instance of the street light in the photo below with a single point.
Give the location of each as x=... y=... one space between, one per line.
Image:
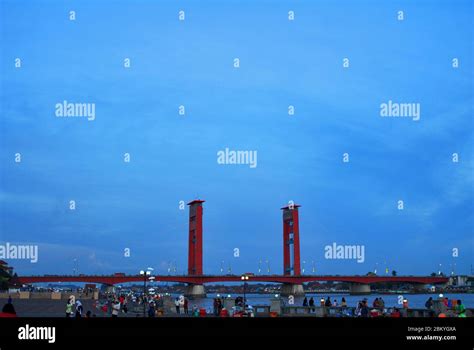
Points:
x=75 y=267
x=145 y=275
x=244 y=278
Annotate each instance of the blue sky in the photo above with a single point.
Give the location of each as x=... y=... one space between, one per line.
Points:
x=173 y=157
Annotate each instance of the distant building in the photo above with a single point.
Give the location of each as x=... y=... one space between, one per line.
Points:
x=461 y=281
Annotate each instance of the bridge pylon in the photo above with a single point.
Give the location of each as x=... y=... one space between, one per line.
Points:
x=291 y=249
x=195 y=246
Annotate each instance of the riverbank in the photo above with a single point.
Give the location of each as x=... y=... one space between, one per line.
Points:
x=37 y=307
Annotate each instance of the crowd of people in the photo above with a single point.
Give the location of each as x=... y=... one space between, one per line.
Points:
x=324 y=302
x=74 y=308
x=154 y=306
x=181 y=304
x=113 y=304
x=453 y=308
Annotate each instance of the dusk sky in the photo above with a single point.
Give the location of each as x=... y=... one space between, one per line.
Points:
x=173 y=157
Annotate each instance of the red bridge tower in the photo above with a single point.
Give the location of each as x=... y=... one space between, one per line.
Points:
x=291 y=241
x=291 y=249
x=195 y=238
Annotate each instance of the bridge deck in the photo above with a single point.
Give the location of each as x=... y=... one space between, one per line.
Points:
x=112 y=279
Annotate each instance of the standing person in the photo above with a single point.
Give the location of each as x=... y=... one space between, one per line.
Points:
x=364 y=311
x=335 y=302
x=79 y=309
x=305 y=301
x=181 y=303
x=429 y=303
x=69 y=308
x=376 y=304
x=446 y=303
x=185 y=306
x=115 y=308
x=381 y=303
x=311 y=303
x=125 y=307
x=358 y=309
x=328 y=302
x=460 y=309
x=151 y=310
x=195 y=311
x=215 y=303
x=343 y=302
x=176 y=304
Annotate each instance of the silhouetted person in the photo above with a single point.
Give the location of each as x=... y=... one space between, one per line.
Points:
x=429 y=303
x=151 y=310
x=311 y=303
x=343 y=302
x=8 y=308
x=364 y=311
x=176 y=305
x=185 y=306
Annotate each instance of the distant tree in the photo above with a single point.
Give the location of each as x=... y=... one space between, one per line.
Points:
x=394 y=273
x=370 y=273
x=3 y=284
x=433 y=274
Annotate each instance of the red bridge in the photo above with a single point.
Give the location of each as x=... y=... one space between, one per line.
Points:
x=291 y=279
x=111 y=280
